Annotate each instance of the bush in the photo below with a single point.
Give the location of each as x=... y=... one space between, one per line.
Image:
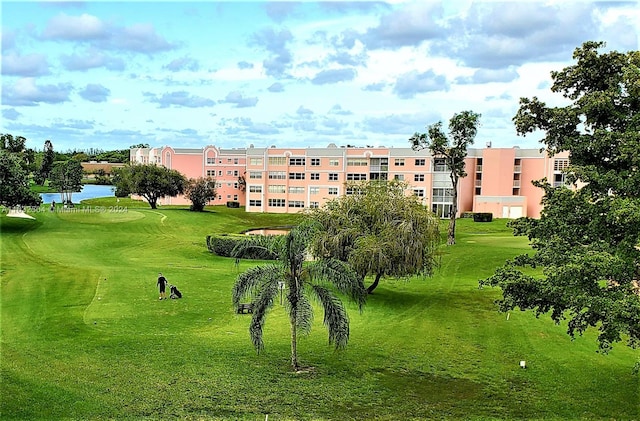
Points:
x=482 y=217
x=223 y=245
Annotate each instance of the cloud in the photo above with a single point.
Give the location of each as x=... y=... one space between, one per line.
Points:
x=91 y=59
x=238 y=98
x=26 y=66
x=183 y=63
x=139 y=37
x=279 y=11
x=240 y=125
x=25 y=92
x=275 y=42
x=408 y=26
x=245 y=65
x=95 y=93
x=301 y=111
x=180 y=99
x=10 y=114
x=75 y=28
x=375 y=87
x=276 y=87
x=338 y=110
x=412 y=83
x=481 y=76
x=404 y=124
x=499 y=35
x=333 y=76
x=8 y=39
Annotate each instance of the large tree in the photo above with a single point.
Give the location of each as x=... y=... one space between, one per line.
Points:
x=301 y=279
x=200 y=191
x=463 y=128
x=587 y=240
x=66 y=178
x=150 y=181
x=47 y=163
x=379 y=230
x=14 y=182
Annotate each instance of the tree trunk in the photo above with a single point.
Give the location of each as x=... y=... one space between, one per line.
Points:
x=451 y=235
x=374 y=284
x=295 y=364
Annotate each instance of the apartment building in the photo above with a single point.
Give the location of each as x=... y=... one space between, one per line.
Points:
x=282 y=180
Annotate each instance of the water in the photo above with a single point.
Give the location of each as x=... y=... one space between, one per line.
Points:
x=89 y=191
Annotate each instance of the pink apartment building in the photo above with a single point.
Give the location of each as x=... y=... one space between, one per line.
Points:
x=282 y=180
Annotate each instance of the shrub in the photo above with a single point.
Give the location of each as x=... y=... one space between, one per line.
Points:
x=482 y=217
x=223 y=245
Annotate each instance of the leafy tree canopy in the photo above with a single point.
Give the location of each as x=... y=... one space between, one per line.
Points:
x=200 y=191
x=150 y=181
x=379 y=230
x=463 y=128
x=14 y=182
x=66 y=178
x=587 y=240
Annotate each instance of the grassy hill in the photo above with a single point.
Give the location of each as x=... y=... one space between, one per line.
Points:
x=83 y=335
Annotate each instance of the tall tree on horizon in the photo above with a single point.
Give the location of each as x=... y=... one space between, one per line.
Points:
x=463 y=128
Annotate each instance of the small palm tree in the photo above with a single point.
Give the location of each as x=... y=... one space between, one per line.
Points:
x=302 y=279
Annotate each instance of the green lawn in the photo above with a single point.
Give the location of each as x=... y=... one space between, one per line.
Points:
x=83 y=335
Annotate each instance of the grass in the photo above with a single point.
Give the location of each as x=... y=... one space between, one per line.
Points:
x=83 y=335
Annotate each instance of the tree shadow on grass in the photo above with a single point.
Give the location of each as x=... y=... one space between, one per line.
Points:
x=17 y=225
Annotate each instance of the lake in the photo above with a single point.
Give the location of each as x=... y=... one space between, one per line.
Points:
x=89 y=191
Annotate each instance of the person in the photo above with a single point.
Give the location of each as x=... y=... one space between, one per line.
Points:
x=162 y=284
x=53 y=205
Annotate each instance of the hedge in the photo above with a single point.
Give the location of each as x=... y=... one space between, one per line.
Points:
x=223 y=245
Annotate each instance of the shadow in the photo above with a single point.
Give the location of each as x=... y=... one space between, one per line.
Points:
x=18 y=225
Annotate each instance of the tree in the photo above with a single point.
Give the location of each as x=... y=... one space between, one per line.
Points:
x=12 y=144
x=150 y=181
x=66 y=178
x=200 y=191
x=463 y=128
x=587 y=240
x=302 y=280
x=379 y=231
x=14 y=182
x=47 y=163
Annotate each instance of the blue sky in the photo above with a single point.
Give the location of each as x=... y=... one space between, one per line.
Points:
x=108 y=75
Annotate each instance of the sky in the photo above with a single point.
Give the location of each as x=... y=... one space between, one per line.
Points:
x=113 y=74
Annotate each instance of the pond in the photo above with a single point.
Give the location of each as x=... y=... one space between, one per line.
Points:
x=89 y=191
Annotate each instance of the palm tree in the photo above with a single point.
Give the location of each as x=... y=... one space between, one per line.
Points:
x=303 y=280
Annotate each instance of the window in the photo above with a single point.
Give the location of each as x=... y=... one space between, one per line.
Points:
x=296 y=161
x=357 y=162
x=333 y=176
x=315 y=162
x=211 y=161
x=356 y=177
x=277 y=175
x=296 y=204
x=228 y=160
x=399 y=177
x=421 y=162
x=255 y=161
x=418 y=177
x=277 y=160
x=235 y=185
x=315 y=176
x=278 y=203
x=296 y=190
x=235 y=197
x=235 y=161
x=314 y=190
x=334 y=162
x=399 y=162
x=220 y=173
x=276 y=188
x=314 y=204
x=255 y=189
x=559 y=180
x=235 y=173
x=560 y=164
x=211 y=173
x=352 y=190
x=256 y=202
x=255 y=175
x=296 y=176
x=229 y=172
x=442 y=195
x=333 y=191
x=439 y=165
x=418 y=192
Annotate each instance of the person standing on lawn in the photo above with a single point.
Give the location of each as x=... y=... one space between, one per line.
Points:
x=162 y=285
